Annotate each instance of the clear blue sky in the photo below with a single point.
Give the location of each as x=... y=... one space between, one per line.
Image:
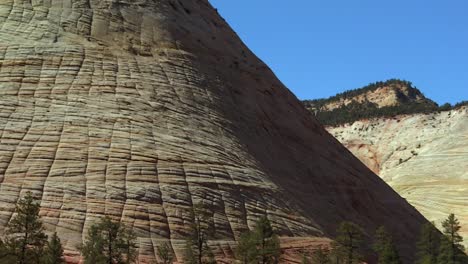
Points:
x=321 y=47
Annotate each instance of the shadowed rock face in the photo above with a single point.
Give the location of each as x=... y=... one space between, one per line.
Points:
x=140 y=109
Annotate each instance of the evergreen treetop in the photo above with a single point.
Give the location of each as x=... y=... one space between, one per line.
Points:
x=385 y=248
x=348 y=243
x=109 y=242
x=427 y=247
x=25 y=237
x=261 y=245
x=54 y=251
x=451 y=249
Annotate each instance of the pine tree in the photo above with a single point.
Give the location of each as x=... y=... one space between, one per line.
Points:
x=348 y=243
x=109 y=242
x=197 y=250
x=428 y=245
x=110 y=231
x=260 y=245
x=269 y=248
x=25 y=237
x=164 y=253
x=385 y=247
x=451 y=248
x=246 y=250
x=54 y=251
x=93 y=248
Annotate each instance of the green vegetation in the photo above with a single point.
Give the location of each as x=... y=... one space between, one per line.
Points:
x=197 y=250
x=385 y=247
x=260 y=245
x=355 y=111
x=427 y=247
x=436 y=248
x=318 y=103
x=246 y=251
x=109 y=242
x=25 y=238
x=54 y=252
x=451 y=248
x=348 y=244
x=460 y=104
x=164 y=252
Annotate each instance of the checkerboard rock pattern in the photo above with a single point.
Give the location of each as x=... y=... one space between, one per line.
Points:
x=141 y=109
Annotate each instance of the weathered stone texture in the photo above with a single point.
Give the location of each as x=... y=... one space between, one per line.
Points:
x=423 y=157
x=139 y=109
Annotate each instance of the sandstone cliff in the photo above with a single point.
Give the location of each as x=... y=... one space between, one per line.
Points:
x=139 y=109
x=424 y=157
x=422 y=154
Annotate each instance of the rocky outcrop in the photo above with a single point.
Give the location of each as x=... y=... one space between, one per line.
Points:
x=386 y=95
x=140 y=109
x=381 y=99
x=423 y=157
x=390 y=93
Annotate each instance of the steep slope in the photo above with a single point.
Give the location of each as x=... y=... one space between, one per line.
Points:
x=140 y=109
x=424 y=157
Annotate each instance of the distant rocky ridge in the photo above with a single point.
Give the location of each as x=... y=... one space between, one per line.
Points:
x=422 y=155
x=381 y=99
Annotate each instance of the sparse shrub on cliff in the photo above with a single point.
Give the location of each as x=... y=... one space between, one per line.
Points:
x=446 y=107
x=260 y=245
x=164 y=252
x=109 y=242
x=460 y=104
x=25 y=238
x=197 y=250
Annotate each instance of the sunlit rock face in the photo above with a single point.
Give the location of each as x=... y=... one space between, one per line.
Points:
x=141 y=109
x=423 y=157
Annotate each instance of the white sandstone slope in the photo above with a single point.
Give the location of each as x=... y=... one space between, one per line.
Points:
x=424 y=157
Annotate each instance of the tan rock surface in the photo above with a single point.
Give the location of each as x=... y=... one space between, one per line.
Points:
x=385 y=95
x=139 y=109
x=423 y=157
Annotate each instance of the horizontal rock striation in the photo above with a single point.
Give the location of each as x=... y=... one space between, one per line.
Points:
x=423 y=157
x=140 y=109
